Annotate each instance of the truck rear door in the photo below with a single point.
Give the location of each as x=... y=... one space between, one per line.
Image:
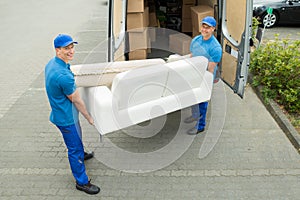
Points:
x=236 y=22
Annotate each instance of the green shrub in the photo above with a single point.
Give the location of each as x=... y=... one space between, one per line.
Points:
x=255 y=24
x=276 y=67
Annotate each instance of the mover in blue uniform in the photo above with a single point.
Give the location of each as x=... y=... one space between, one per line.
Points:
x=208 y=46
x=65 y=105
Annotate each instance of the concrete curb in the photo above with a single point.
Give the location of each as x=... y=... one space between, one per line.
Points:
x=279 y=117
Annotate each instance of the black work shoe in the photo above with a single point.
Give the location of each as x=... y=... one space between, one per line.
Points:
x=194 y=131
x=88 y=188
x=190 y=119
x=88 y=155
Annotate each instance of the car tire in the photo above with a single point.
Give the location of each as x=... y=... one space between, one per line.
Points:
x=269 y=20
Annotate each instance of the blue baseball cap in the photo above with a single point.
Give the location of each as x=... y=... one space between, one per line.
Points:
x=210 y=21
x=63 y=40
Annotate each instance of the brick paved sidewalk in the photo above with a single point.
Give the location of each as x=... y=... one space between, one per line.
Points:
x=252 y=160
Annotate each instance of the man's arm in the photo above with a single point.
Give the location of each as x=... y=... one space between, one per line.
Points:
x=211 y=66
x=79 y=104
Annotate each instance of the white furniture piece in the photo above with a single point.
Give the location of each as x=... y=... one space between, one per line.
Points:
x=87 y=75
x=144 y=93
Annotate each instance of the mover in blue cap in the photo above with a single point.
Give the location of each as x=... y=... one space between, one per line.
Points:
x=208 y=46
x=65 y=105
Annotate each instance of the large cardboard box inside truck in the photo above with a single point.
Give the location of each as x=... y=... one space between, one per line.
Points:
x=179 y=43
x=138 y=54
x=138 y=40
x=134 y=6
x=186 y=17
x=198 y=13
x=138 y=21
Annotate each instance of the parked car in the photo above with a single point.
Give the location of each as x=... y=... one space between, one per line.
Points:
x=283 y=12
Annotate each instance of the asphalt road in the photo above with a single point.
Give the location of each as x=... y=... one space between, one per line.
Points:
x=291 y=32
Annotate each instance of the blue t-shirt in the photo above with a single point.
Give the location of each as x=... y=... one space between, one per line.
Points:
x=211 y=49
x=60 y=82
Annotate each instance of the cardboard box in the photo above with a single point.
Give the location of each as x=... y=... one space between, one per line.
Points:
x=195 y=32
x=153 y=19
x=186 y=10
x=136 y=22
x=135 y=6
x=138 y=54
x=186 y=25
x=138 y=40
x=180 y=43
x=198 y=13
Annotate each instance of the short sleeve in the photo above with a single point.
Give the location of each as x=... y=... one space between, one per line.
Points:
x=216 y=54
x=67 y=84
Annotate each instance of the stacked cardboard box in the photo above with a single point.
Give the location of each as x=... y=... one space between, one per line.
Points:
x=186 y=15
x=137 y=23
x=138 y=54
x=135 y=6
x=197 y=14
x=179 y=43
x=138 y=40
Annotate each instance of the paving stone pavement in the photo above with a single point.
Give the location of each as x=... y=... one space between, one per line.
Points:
x=253 y=159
